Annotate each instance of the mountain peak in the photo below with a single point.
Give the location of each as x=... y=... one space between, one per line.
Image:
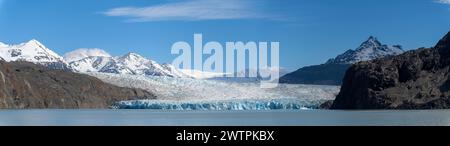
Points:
x=443 y=47
x=372 y=38
x=133 y=58
x=132 y=55
x=33 y=51
x=34 y=42
x=369 y=43
x=444 y=43
x=368 y=50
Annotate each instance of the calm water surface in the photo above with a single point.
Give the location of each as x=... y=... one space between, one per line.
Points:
x=223 y=118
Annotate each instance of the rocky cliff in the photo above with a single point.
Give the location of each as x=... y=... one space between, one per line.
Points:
x=417 y=79
x=27 y=85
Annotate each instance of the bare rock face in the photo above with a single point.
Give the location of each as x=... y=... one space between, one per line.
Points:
x=26 y=85
x=417 y=79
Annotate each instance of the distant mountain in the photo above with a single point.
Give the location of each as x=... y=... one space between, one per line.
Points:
x=32 y=51
x=97 y=60
x=250 y=75
x=135 y=64
x=196 y=74
x=333 y=71
x=324 y=74
x=131 y=63
x=86 y=60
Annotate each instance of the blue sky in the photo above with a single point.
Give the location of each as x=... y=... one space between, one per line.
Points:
x=309 y=31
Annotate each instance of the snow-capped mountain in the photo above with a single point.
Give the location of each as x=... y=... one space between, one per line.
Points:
x=91 y=63
x=97 y=60
x=257 y=72
x=131 y=64
x=250 y=75
x=368 y=50
x=332 y=72
x=32 y=51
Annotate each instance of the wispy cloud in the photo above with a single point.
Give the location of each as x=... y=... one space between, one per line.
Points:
x=85 y=52
x=443 y=1
x=193 y=10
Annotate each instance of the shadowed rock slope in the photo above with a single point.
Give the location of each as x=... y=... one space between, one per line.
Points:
x=26 y=85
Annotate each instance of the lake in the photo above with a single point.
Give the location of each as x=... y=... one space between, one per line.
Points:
x=108 y=117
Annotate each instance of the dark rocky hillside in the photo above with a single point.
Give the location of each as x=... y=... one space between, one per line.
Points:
x=26 y=85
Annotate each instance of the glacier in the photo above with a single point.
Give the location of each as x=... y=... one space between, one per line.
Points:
x=195 y=94
x=274 y=104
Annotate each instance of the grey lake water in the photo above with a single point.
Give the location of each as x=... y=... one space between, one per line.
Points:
x=108 y=117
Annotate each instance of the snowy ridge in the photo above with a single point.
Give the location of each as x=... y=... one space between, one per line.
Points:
x=250 y=75
x=130 y=64
x=185 y=93
x=368 y=50
x=90 y=64
x=98 y=60
x=175 y=72
x=32 y=51
x=87 y=60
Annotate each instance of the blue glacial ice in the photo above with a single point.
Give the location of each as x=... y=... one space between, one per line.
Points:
x=194 y=94
x=279 y=104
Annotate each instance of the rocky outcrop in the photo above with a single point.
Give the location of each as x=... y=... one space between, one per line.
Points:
x=417 y=79
x=326 y=105
x=27 y=85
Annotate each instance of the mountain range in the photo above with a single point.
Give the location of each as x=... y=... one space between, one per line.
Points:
x=131 y=63
x=97 y=60
x=333 y=71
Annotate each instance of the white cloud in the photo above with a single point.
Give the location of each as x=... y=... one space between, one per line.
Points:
x=83 y=53
x=192 y=10
x=443 y=1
